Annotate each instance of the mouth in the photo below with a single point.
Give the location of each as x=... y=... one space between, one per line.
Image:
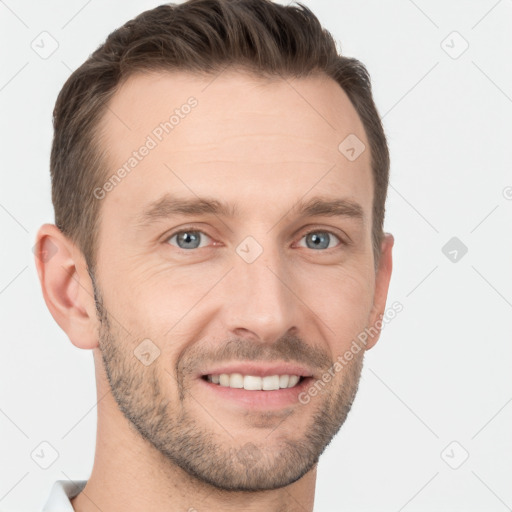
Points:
x=271 y=392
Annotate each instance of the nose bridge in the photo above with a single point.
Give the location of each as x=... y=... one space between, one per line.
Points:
x=260 y=299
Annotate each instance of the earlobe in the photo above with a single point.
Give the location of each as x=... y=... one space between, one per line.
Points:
x=382 y=279
x=66 y=286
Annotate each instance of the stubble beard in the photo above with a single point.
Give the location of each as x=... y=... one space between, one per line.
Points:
x=271 y=461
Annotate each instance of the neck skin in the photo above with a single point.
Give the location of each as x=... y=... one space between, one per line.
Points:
x=129 y=474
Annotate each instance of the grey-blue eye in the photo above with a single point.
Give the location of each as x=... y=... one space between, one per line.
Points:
x=188 y=239
x=319 y=239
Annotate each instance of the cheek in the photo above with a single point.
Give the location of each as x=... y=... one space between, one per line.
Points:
x=343 y=299
x=152 y=300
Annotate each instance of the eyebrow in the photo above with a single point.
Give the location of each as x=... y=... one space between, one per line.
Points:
x=169 y=206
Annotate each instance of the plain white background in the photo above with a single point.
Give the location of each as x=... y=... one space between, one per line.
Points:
x=430 y=429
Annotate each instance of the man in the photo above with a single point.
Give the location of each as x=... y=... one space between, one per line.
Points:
x=219 y=176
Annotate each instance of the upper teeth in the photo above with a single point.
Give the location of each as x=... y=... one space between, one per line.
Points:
x=251 y=382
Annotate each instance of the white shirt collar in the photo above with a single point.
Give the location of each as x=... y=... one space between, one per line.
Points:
x=61 y=494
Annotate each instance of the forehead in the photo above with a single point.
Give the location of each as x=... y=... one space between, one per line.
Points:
x=234 y=136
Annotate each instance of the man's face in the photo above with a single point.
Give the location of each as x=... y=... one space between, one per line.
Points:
x=268 y=291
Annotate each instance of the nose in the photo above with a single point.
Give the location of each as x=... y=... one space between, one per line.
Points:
x=259 y=299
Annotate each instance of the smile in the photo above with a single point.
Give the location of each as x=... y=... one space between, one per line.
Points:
x=254 y=382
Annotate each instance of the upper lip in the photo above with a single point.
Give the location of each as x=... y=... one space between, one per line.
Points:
x=258 y=369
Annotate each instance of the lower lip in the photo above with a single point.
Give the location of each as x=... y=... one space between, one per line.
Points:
x=259 y=399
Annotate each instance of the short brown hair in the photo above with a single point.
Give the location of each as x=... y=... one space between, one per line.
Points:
x=200 y=36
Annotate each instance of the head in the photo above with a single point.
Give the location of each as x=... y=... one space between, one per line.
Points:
x=208 y=214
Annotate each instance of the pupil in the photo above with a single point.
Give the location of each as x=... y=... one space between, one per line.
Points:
x=317 y=240
x=187 y=238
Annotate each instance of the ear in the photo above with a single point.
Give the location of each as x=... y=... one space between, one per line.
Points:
x=382 y=279
x=66 y=286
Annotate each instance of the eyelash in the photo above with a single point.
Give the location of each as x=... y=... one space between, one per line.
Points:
x=314 y=230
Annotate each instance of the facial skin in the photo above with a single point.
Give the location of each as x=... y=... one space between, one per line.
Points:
x=165 y=441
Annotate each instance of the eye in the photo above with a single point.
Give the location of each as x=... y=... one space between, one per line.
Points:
x=320 y=239
x=188 y=239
